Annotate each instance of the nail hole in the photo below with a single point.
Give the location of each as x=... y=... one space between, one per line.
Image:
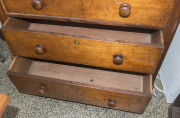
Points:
x=91 y=80
x=76 y=42
x=75 y=87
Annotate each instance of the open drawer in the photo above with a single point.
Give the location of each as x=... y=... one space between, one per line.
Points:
x=115 y=90
x=128 y=49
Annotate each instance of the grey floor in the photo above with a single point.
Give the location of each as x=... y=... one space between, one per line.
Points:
x=29 y=106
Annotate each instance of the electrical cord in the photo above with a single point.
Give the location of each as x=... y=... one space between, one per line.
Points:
x=156 y=88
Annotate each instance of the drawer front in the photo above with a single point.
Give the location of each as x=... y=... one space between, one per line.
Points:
x=153 y=13
x=62 y=87
x=129 y=51
x=70 y=92
x=137 y=58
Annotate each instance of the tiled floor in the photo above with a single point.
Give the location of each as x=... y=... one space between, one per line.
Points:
x=29 y=106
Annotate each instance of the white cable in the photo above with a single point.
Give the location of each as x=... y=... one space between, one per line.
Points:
x=158 y=89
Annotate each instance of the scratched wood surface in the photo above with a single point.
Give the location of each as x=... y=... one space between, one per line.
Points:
x=137 y=57
x=153 y=13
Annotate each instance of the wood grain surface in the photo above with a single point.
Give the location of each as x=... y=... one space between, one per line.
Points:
x=29 y=78
x=3 y=16
x=90 y=50
x=152 y=13
x=4 y=100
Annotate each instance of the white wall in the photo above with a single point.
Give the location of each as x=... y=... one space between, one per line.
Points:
x=170 y=70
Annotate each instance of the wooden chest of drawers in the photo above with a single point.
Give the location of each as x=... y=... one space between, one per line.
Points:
x=94 y=52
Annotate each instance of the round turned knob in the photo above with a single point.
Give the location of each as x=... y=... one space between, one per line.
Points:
x=39 y=49
x=118 y=59
x=42 y=90
x=125 y=10
x=112 y=103
x=37 y=4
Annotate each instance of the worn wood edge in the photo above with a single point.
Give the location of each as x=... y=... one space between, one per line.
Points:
x=79 y=20
x=151 y=83
x=8 y=19
x=10 y=72
x=147 y=82
x=13 y=63
x=3 y=15
x=162 y=38
x=160 y=46
x=5 y=100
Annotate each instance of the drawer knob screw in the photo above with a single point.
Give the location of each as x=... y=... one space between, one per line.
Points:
x=39 y=49
x=75 y=88
x=76 y=42
x=118 y=59
x=37 y=4
x=42 y=90
x=112 y=103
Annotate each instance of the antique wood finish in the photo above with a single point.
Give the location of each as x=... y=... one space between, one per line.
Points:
x=90 y=86
x=95 y=47
x=135 y=49
x=172 y=25
x=4 y=100
x=152 y=13
x=3 y=16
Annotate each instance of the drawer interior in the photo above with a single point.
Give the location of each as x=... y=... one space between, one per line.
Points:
x=89 y=31
x=83 y=76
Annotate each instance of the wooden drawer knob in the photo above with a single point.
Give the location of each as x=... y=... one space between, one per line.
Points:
x=125 y=10
x=39 y=49
x=37 y=4
x=112 y=103
x=118 y=59
x=42 y=90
